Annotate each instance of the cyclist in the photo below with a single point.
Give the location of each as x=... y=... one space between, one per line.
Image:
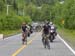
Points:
x=45 y=34
x=24 y=32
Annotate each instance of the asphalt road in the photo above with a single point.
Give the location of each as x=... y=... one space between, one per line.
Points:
x=12 y=46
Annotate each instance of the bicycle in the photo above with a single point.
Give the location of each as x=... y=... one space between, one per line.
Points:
x=45 y=41
x=24 y=38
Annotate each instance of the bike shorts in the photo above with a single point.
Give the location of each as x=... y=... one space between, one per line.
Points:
x=45 y=35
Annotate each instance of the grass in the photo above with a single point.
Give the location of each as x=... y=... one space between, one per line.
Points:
x=68 y=35
x=8 y=33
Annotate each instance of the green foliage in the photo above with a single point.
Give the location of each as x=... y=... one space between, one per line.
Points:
x=40 y=2
x=37 y=10
x=66 y=12
x=27 y=19
x=12 y=22
x=1 y=5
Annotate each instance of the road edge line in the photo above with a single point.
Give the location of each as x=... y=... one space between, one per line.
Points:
x=69 y=47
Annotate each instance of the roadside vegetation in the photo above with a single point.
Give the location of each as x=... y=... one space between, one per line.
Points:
x=68 y=35
x=8 y=33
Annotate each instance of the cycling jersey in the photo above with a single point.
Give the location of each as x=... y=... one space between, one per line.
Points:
x=46 y=29
x=24 y=28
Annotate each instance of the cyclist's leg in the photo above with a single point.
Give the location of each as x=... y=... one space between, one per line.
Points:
x=43 y=40
x=26 y=35
x=23 y=38
x=47 y=41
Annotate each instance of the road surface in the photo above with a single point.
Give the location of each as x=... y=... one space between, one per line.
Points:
x=12 y=46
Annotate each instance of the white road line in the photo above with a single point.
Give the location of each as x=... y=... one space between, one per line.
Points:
x=73 y=51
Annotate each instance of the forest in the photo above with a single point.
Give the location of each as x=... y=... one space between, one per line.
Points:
x=14 y=12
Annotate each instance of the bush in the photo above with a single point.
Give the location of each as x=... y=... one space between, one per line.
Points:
x=12 y=22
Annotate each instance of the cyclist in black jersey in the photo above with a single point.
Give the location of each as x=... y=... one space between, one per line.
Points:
x=24 y=32
x=45 y=35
